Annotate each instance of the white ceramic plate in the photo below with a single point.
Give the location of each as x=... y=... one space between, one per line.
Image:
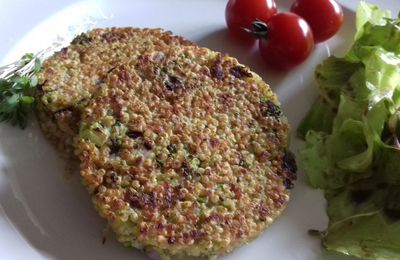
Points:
x=44 y=215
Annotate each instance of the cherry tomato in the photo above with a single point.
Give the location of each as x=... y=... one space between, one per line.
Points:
x=240 y=14
x=325 y=17
x=285 y=41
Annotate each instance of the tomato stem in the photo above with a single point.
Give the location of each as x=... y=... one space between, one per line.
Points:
x=259 y=29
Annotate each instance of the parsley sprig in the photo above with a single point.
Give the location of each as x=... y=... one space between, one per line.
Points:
x=17 y=84
x=18 y=80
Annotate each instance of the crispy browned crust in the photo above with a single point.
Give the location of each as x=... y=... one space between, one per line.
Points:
x=73 y=75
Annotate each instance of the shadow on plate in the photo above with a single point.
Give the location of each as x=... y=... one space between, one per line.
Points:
x=295 y=106
x=51 y=212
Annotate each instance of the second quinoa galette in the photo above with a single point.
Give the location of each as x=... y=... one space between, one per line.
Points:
x=78 y=72
x=185 y=153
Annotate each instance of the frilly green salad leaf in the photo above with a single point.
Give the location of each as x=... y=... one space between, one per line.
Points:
x=352 y=133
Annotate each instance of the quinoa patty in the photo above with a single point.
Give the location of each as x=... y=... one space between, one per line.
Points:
x=184 y=152
x=75 y=74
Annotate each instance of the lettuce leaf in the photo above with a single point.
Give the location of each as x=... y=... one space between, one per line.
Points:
x=319 y=118
x=369 y=13
x=352 y=140
x=364 y=221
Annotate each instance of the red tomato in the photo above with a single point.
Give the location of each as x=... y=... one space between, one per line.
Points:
x=240 y=14
x=287 y=40
x=325 y=17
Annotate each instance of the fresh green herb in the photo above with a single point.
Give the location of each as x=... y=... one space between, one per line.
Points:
x=17 y=85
